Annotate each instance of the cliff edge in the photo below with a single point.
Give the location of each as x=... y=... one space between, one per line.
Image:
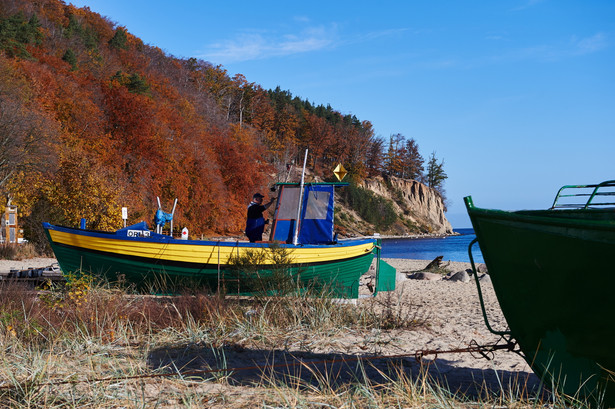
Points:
x=418 y=209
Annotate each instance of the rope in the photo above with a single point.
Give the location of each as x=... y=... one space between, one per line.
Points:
x=483 y=351
x=218 y=245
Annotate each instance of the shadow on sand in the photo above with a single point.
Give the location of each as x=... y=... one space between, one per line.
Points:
x=269 y=367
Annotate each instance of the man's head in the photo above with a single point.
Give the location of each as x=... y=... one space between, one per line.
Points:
x=258 y=198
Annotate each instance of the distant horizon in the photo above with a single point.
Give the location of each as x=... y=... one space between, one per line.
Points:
x=463 y=228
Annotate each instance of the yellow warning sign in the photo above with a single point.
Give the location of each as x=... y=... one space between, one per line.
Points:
x=340 y=172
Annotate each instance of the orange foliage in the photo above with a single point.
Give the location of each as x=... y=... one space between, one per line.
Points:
x=82 y=187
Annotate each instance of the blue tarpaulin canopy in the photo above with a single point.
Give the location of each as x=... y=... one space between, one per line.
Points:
x=317 y=215
x=316 y=224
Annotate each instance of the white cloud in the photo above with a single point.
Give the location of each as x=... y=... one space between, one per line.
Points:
x=589 y=45
x=260 y=45
x=302 y=19
x=562 y=50
x=527 y=4
x=256 y=45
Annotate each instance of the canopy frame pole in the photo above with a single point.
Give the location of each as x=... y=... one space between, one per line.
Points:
x=299 y=205
x=172 y=215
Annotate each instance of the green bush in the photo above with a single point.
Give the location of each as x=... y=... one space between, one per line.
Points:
x=372 y=208
x=263 y=271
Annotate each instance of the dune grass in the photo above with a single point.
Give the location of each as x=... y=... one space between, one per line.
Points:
x=90 y=345
x=23 y=251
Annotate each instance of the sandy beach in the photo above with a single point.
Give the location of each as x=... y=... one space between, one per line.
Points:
x=455 y=317
x=453 y=320
x=7 y=265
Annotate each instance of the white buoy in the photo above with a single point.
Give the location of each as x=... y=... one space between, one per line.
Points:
x=185 y=233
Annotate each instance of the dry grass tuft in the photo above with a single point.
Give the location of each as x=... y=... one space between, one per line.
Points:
x=21 y=251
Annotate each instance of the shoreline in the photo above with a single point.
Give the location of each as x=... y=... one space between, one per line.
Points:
x=405 y=236
x=418 y=236
x=404 y=265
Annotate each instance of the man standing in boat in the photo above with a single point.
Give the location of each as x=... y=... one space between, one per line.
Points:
x=255 y=225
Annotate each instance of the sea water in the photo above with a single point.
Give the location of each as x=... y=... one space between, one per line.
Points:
x=453 y=248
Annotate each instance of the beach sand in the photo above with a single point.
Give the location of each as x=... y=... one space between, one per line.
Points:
x=7 y=265
x=453 y=320
x=456 y=320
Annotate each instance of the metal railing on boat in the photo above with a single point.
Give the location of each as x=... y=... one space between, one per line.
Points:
x=598 y=196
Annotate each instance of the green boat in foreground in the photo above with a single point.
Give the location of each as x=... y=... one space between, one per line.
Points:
x=554 y=276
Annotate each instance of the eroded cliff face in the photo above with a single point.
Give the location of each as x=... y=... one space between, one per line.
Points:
x=415 y=202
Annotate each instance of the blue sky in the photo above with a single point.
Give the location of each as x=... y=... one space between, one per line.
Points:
x=516 y=96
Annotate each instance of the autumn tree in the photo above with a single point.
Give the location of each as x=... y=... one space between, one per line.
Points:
x=239 y=99
x=24 y=138
x=319 y=138
x=85 y=188
x=412 y=161
x=354 y=141
x=393 y=157
x=26 y=133
x=374 y=161
x=403 y=158
x=262 y=114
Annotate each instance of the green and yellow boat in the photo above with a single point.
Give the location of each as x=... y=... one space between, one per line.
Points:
x=304 y=255
x=554 y=277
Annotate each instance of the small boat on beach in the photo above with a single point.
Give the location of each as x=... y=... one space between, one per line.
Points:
x=298 y=256
x=553 y=274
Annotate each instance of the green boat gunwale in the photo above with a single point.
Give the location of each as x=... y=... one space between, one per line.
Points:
x=556 y=217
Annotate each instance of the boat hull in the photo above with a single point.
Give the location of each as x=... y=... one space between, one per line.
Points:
x=160 y=263
x=553 y=275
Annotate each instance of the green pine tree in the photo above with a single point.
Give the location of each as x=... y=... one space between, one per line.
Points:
x=70 y=57
x=436 y=176
x=16 y=33
x=137 y=85
x=119 y=40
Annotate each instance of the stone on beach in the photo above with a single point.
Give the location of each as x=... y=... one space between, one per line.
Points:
x=423 y=275
x=485 y=278
x=461 y=276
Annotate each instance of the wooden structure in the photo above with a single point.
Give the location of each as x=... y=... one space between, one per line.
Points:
x=10 y=231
